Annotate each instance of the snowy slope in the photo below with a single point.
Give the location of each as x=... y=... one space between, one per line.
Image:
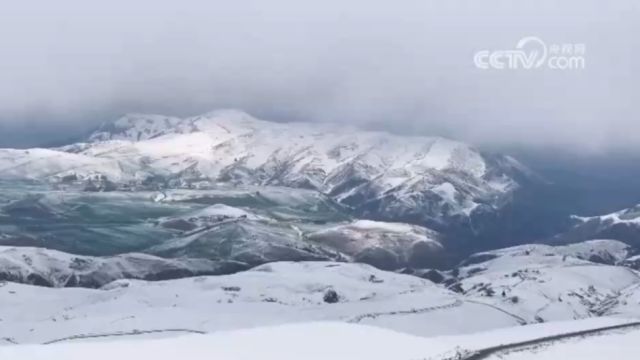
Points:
x=286 y=292
x=385 y=245
x=47 y=163
x=545 y=283
x=271 y=294
x=304 y=341
x=623 y=225
x=598 y=251
x=632 y=262
x=621 y=345
x=377 y=174
x=331 y=340
x=46 y=267
x=626 y=216
x=546 y=287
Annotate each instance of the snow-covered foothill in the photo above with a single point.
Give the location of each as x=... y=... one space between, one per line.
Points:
x=385 y=245
x=271 y=294
x=546 y=283
x=45 y=267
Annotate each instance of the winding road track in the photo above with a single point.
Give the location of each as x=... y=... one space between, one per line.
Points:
x=128 y=333
x=499 y=349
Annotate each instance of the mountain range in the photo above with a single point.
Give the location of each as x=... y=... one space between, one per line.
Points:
x=222 y=222
x=444 y=185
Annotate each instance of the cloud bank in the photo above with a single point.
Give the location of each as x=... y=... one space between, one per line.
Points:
x=404 y=66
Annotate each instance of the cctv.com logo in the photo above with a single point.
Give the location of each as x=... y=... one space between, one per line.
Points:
x=533 y=53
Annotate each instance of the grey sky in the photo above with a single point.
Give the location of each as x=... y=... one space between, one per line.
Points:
x=403 y=65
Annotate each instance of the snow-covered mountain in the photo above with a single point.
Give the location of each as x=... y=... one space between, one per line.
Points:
x=425 y=180
x=623 y=225
x=53 y=268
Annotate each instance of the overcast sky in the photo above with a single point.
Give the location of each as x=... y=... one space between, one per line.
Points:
x=402 y=65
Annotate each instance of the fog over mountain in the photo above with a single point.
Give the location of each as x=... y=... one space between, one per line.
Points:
x=405 y=67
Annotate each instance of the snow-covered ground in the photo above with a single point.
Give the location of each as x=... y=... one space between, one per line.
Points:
x=270 y=294
x=618 y=345
x=545 y=283
x=335 y=310
x=331 y=340
x=537 y=287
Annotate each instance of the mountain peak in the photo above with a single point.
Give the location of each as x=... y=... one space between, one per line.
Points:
x=389 y=177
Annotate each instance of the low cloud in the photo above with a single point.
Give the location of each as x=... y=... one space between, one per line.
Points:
x=405 y=66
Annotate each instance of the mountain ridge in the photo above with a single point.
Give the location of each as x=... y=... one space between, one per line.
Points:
x=425 y=180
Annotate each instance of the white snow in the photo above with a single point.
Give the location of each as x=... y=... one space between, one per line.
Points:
x=384 y=226
x=59 y=268
x=330 y=340
x=540 y=282
x=221 y=210
x=310 y=341
x=446 y=190
x=46 y=163
x=278 y=311
x=626 y=216
x=233 y=145
x=618 y=345
x=401 y=239
x=271 y=294
x=613 y=249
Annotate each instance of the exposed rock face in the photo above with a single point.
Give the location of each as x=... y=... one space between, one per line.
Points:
x=331 y=297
